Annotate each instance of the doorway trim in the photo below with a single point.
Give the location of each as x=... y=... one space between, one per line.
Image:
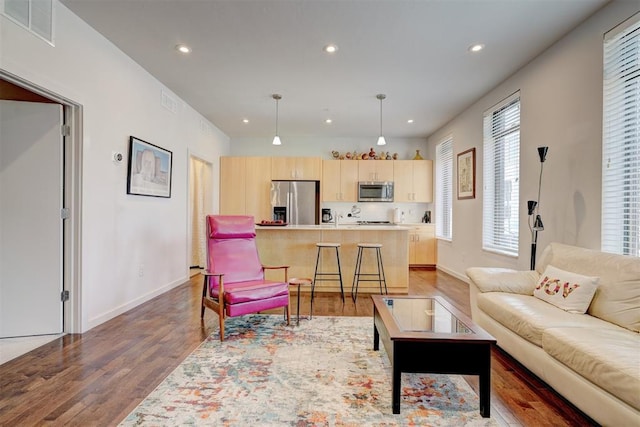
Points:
x=208 y=208
x=72 y=200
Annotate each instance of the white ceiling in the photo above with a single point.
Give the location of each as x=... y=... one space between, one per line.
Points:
x=413 y=51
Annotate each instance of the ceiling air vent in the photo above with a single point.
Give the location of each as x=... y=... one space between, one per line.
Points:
x=34 y=15
x=168 y=102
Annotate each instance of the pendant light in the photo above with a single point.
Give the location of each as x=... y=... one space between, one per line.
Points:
x=381 y=140
x=276 y=139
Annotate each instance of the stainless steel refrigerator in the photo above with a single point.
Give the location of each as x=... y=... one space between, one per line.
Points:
x=295 y=202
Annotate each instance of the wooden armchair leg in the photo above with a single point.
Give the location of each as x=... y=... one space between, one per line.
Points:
x=288 y=308
x=204 y=295
x=221 y=328
x=221 y=316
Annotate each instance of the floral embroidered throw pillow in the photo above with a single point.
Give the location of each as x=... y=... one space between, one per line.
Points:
x=569 y=291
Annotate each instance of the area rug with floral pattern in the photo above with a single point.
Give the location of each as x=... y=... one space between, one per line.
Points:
x=323 y=372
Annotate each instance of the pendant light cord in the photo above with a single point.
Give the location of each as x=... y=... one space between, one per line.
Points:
x=381 y=96
x=380 y=116
x=277 y=116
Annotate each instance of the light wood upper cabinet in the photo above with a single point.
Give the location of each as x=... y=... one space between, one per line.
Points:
x=258 y=188
x=296 y=168
x=422 y=245
x=413 y=181
x=283 y=168
x=245 y=184
x=402 y=180
x=375 y=170
x=339 y=181
x=232 y=184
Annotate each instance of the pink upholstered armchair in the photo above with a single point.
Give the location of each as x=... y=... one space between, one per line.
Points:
x=234 y=283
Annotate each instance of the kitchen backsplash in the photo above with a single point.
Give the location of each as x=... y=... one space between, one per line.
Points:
x=378 y=211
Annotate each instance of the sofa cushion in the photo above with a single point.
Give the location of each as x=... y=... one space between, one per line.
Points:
x=617 y=298
x=529 y=317
x=566 y=290
x=607 y=357
x=618 y=303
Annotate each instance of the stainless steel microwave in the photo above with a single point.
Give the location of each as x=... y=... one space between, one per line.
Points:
x=369 y=191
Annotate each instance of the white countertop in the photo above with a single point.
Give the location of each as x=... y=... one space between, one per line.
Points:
x=389 y=227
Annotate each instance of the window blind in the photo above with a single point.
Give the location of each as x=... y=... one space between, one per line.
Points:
x=444 y=188
x=621 y=140
x=501 y=177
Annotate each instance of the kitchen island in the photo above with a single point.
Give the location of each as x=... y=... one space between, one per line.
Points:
x=295 y=245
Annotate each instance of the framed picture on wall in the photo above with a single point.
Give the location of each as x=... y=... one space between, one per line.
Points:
x=467 y=174
x=149 y=171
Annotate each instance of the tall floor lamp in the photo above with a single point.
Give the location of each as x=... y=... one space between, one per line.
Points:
x=532 y=206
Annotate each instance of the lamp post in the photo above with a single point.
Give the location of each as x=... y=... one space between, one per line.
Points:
x=532 y=207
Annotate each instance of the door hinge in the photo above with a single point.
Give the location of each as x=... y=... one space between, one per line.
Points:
x=64 y=296
x=65 y=130
x=65 y=213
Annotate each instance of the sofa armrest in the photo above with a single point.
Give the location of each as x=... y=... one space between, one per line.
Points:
x=503 y=280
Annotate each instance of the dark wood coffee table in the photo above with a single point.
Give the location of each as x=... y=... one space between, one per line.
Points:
x=428 y=335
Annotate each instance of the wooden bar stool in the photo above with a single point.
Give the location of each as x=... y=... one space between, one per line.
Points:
x=327 y=275
x=302 y=281
x=374 y=277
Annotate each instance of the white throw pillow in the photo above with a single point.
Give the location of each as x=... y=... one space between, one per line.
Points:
x=566 y=290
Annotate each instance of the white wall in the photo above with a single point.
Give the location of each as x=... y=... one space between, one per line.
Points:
x=133 y=247
x=561 y=107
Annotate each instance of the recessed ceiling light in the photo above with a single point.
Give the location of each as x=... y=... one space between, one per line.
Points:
x=330 y=48
x=410 y=121
x=183 y=48
x=476 y=47
x=328 y=121
x=245 y=120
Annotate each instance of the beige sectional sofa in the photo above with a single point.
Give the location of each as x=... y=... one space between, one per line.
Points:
x=592 y=359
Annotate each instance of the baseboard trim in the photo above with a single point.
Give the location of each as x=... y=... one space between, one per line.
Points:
x=100 y=319
x=422 y=267
x=453 y=273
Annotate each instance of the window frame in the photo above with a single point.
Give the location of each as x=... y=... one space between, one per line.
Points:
x=501 y=144
x=444 y=189
x=620 y=203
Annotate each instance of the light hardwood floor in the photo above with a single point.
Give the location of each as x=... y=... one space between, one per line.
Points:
x=97 y=378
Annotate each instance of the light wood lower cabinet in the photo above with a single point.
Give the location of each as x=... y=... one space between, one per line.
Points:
x=422 y=245
x=296 y=247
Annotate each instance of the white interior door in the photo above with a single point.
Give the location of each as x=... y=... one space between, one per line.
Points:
x=31 y=194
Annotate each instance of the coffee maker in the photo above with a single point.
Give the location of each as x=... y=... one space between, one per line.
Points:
x=326 y=215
